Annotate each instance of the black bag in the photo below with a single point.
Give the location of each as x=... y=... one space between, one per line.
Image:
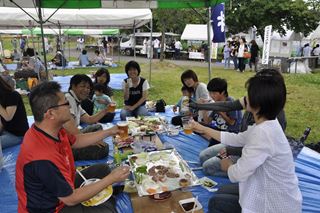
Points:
x=160 y=105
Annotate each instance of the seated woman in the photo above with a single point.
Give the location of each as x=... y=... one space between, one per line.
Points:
x=13 y=123
x=84 y=59
x=102 y=76
x=59 y=60
x=98 y=58
x=135 y=90
x=265 y=170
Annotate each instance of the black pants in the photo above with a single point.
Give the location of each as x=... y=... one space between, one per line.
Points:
x=226 y=200
x=95 y=171
x=241 y=65
x=93 y=152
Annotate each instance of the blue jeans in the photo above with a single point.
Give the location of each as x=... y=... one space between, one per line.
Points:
x=235 y=62
x=8 y=139
x=141 y=110
x=227 y=62
x=210 y=163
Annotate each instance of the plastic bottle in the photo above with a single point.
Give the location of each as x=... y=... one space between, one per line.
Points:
x=185 y=106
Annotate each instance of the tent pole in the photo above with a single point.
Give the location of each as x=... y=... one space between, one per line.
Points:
x=69 y=46
x=209 y=42
x=43 y=44
x=134 y=40
x=150 y=51
x=119 y=47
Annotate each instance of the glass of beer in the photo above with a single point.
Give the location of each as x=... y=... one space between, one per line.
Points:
x=186 y=124
x=124 y=126
x=112 y=107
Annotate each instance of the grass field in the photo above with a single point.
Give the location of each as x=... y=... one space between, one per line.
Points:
x=303 y=100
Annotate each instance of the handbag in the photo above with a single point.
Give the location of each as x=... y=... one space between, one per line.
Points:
x=160 y=105
x=247 y=55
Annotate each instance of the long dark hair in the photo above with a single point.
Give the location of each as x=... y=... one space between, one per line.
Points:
x=5 y=88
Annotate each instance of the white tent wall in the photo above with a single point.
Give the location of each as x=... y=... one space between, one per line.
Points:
x=284 y=46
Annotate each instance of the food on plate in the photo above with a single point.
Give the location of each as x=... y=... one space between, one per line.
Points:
x=151 y=191
x=133 y=158
x=184 y=182
x=120 y=142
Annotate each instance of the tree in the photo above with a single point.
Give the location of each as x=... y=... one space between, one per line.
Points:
x=170 y=20
x=281 y=14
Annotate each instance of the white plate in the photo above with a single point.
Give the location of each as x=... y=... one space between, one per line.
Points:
x=102 y=197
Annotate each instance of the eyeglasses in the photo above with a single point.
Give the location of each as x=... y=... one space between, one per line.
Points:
x=59 y=105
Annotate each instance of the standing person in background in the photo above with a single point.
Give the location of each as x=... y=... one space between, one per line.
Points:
x=234 y=45
x=156 y=47
x=254 y=50
x=242 y=48
x=14 y=43
x=22 y=44
x=135 y=92
x=105 y=46
x=307 y=53
x=13 y=116
x=177 y=49
x=81 y=43
x=144 y=48
x=226 y=55
x=316 y=52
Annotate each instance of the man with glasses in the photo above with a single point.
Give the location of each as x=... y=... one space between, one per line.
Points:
x=46 y=179
x=80 y=86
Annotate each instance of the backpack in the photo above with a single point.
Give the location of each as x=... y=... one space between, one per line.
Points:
x=160 y=105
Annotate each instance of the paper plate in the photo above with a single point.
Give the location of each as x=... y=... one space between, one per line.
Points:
x=103 y=196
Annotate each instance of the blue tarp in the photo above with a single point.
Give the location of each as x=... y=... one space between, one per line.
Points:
x=189 y=146
x=115 y=81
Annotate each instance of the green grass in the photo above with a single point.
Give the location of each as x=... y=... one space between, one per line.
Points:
x=303 y=100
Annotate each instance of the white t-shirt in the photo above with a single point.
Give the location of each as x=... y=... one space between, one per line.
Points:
x=145 y=85
x=265 y=171
x=241 y=50
x=156 y=43
x=75 y=106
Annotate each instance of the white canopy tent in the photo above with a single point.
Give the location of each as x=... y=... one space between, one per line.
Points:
x=83 y=18
x=79 y=18
x=196 y=32
x=315 y=35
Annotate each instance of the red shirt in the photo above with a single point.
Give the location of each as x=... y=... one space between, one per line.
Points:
x=45 y=170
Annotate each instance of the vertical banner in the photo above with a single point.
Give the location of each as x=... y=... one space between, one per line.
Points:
x=266 y=44
x=214 y=52
x=218 y=23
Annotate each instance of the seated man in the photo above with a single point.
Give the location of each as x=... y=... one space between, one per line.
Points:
x=80 y=86
x=46 y=179
x=223 y=121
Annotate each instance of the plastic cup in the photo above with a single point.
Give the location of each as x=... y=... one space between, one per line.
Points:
x=186 y=124
x=124 y=126
x=112 y=107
